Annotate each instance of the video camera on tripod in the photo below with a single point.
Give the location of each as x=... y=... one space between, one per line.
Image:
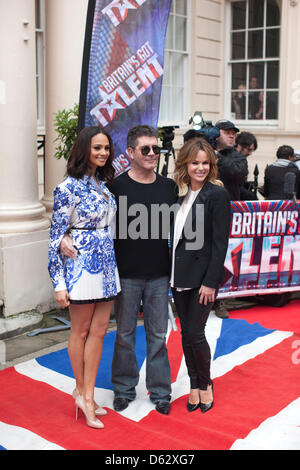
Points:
x=166 y=135
x=202 y=128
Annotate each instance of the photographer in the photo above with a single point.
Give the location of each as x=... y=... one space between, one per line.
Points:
x=246 y=144
x=276 y=174
x=232 y=171
x=232 y=165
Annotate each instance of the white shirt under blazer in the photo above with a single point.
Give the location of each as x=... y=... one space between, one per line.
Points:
x=192 y=268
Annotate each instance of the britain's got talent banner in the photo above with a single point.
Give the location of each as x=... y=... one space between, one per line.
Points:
x=263 y=255
x=123 y=68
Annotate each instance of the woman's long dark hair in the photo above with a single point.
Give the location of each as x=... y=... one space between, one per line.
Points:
x=78 y=161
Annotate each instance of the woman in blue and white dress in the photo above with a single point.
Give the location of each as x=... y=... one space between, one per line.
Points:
x=88 y=281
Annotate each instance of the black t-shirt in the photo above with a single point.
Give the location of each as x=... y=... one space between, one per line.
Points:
x=141 y=247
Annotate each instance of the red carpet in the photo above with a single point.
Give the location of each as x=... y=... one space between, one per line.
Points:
x=249 y=395
x=285 y=318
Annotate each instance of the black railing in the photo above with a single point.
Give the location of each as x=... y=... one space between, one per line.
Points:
x=253 y=185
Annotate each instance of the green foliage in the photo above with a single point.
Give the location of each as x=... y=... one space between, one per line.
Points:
x=66 y=126
x=160 y=133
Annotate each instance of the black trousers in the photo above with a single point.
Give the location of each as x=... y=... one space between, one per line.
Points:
x=193 y=317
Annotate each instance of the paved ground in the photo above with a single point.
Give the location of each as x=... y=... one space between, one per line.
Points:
x=22 y=347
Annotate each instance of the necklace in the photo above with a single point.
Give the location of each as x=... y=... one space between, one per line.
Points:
x=105 y=195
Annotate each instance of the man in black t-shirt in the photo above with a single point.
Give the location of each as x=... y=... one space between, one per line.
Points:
x=142 y=256
x=141 y=247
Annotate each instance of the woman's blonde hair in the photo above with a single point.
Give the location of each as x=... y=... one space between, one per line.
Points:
x=188 y=153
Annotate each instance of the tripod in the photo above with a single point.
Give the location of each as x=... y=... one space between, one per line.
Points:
x=167 y=148
x=166 y=154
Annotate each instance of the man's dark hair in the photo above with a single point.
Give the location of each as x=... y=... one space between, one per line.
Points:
x=285 y=151
x=245 y=140
x=142 y=130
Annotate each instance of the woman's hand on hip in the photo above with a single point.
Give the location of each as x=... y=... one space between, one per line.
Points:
x=207 y=295
x=62 y=297
x=66 y=247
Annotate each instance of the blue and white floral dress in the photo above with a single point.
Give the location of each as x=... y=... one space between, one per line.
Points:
x=81 y=208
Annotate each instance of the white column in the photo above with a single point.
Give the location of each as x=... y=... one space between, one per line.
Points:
x=20 y=209
x=65 y=30
x=24 y=281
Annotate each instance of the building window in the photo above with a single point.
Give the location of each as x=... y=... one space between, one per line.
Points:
x=254 y=59
x=174 y=87
x=40 y=60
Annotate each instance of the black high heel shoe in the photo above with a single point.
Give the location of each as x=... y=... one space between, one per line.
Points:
x=204 y=407
x=192 y=407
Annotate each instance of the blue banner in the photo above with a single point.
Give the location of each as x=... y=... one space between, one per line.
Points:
x=123 y=68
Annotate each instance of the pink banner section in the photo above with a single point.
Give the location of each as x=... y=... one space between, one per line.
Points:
x=263 y=254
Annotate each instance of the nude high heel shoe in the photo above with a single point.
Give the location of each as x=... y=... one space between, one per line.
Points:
x=91 y=421
x=99 y=411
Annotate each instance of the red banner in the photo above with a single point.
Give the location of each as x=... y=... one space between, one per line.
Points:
x=263 y=254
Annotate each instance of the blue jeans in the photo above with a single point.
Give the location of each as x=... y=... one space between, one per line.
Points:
x=125 y=373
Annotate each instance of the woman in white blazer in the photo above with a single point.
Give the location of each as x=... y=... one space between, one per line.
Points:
x=198 y=264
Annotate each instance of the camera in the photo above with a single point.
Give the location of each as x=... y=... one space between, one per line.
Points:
x=202 y=128
x=166 y=135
